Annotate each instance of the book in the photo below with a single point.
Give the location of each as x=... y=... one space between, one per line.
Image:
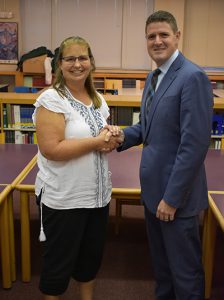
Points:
x=34 y=138
x=135 y=116
x=124 y=115
x=18 y=137
x=5 y=120
x=2 y=138
x=8 y=114
x=16 y=111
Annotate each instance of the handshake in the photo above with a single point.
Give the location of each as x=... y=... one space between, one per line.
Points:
x=111 y=137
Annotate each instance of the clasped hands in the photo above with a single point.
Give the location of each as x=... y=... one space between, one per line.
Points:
x=111 y=136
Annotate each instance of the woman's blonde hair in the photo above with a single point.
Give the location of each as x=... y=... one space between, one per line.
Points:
x=59 y=82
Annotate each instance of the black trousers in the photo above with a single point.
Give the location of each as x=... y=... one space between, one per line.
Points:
x=73 y=248
x=176 y=256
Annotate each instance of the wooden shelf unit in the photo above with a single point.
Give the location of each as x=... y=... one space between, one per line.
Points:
x=133 y=101
x=102 y=75
x=217 y=77
x=18 y=76
x=113 y=79
x=14 y=99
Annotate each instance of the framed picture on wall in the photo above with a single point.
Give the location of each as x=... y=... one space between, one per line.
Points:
x=8 y=42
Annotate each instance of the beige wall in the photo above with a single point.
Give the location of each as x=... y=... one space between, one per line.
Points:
x=200 y=22
x=203 y=39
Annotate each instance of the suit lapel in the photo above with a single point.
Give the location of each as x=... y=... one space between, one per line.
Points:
x=164 y=85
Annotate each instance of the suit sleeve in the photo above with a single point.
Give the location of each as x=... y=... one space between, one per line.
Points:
x=196 y=109
x=133 y=137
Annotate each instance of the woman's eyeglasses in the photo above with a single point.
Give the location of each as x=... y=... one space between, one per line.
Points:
x=70 y=60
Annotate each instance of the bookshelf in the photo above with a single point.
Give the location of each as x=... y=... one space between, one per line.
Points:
x=36 y=80
x=111 y=80
x=124 y=108
x=217 y=137
x=106 y=80
x=216 y=76
x=15 y=118
x=12 y=78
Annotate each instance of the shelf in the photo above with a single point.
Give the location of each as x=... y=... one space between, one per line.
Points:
x=19 y=129
x=18 y=76
x=218 y=103
x=123 y=100
x=217 y=136
x=216 y=77
x=127 y=97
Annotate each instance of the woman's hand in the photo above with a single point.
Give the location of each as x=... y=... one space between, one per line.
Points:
x=110 y=141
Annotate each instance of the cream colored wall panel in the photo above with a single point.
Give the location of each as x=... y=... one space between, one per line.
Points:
x=99 y=22
x=215 y=38
x=203 y=39
x=196 y=34
x=134 y=50
x=35 y=24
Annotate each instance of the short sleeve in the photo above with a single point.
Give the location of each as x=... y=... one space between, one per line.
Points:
x=52 y=101
x=104 y=107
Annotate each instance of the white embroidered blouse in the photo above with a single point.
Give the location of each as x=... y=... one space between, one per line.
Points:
x=82 y=182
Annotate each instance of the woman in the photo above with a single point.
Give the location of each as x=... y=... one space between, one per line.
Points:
x=73 y=183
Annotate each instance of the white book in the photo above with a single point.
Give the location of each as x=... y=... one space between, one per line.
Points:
x=17 y=119
x=18 y=137
x=135 y=117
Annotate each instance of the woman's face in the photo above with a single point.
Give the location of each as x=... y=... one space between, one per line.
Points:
x=75 y=64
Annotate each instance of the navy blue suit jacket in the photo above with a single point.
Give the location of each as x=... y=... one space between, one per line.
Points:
x=176 y=138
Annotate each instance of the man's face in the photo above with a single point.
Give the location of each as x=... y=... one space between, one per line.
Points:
x=161 y=41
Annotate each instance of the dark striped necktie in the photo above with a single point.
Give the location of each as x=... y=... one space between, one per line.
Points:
x=151 y=92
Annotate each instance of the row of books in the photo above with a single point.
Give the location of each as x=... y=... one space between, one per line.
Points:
x=18 y=116
x=35 y=81
x=20 y=137
x=119 y=83
x=129 y=83
x=124 y=116
x=216 y=143
x=218 y=124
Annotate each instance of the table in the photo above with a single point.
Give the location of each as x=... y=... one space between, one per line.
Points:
x=126 y=190
x=126 y=187
x=13 y=159
x=4 y=237
x=15 y=162
x=125 y=180
x=215 y=213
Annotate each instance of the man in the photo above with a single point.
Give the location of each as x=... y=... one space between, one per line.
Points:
x=174 y=127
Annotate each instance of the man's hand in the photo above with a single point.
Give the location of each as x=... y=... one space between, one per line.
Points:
x=114 y=136
x=109 y=142
x=165 y=212
x=113 y=129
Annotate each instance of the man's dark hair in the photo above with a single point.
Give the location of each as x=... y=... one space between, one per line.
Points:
x=162 y=16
